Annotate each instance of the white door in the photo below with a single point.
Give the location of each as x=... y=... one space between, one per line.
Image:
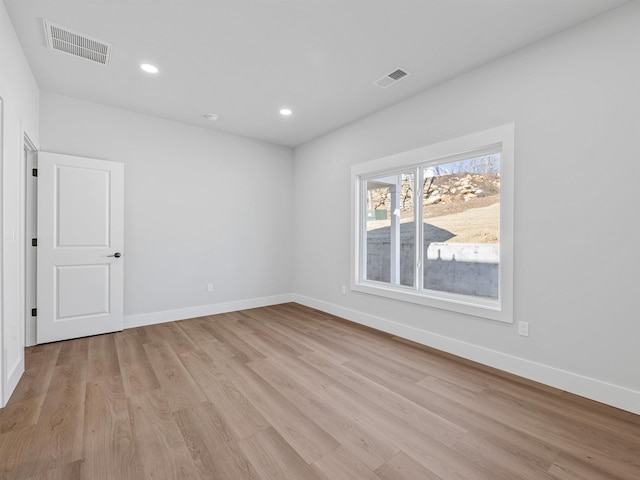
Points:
x=80 y=242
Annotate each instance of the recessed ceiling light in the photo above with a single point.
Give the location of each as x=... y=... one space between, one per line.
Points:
x=285 y=112
x=147 y=67
x=211 y=116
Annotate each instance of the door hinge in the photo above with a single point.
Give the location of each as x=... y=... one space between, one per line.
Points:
x=34 y=312
x=34 y=172
x=34 y=242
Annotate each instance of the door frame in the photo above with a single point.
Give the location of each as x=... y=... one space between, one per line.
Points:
x=3 y=373
x=29 y=217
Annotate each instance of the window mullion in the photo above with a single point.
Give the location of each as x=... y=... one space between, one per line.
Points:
x=363 y=229
x=419 y=231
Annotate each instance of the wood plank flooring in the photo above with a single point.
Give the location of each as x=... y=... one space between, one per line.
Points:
x=287 y=392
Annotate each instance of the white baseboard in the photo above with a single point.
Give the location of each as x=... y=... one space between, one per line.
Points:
x=614 y=395
x=132 y=321
x=13 y=377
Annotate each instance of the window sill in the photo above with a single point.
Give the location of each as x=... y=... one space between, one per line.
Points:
x=478 y=307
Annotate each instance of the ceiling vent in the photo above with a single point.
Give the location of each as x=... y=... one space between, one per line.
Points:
x=78 y=44
x=391 y=78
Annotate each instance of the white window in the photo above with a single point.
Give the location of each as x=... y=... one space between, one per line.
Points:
x=454 y=200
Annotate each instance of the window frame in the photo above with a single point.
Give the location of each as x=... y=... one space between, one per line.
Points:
x=500 y=139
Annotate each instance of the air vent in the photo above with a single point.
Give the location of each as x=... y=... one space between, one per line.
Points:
x=391 y=78
x=78 y=44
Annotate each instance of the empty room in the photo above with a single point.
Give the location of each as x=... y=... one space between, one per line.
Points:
x=319 y=240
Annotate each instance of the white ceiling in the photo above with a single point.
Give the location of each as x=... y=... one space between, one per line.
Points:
x=244 y=59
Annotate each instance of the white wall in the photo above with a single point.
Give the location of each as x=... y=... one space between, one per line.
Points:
x=19 y=91
x=575 y=101
x=200 y=207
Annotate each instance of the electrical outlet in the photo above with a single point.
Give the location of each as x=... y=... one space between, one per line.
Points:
x=343 y=290
x=523 y=329
x=209 y=287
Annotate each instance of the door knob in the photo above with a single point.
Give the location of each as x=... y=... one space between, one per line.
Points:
x=117 y=255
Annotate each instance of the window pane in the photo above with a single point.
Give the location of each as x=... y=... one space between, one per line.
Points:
x=390 y=229
x=461 y=222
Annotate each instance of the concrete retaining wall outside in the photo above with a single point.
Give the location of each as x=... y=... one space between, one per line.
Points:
x=464 y=268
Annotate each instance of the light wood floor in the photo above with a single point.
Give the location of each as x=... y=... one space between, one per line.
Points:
x=287 y=392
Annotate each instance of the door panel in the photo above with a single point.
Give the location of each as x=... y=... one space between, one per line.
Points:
x=83 y=207
x=82 y=290
x=80 y=228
